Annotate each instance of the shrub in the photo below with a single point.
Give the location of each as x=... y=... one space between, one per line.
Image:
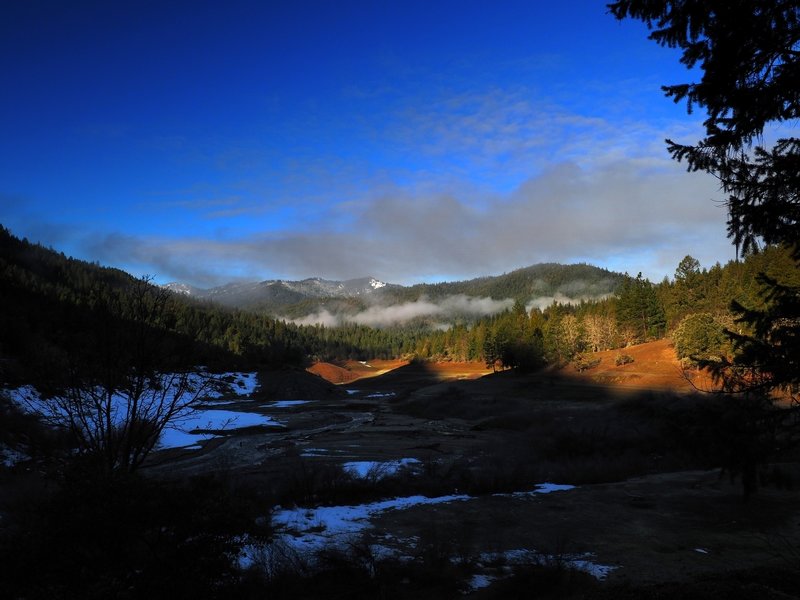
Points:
x=584 y=362
x=623 y=359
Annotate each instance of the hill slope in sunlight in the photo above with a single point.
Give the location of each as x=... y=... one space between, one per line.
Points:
x=654 y=366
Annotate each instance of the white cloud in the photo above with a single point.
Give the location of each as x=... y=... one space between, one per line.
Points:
x=475 y=183
x=620 y=214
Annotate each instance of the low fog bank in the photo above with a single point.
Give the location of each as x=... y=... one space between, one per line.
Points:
x=397 y=314
x=446 y=309
x=574 y=290
x=543 y=302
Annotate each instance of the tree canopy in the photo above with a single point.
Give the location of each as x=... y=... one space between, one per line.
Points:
x=747 y=52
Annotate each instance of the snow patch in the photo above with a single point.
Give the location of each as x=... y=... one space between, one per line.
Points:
x=523 y=556
x=184 y=431
x=541 y=488
x=10 y=457
x=480 y=581
x=314 y=452
x=245 y=384
x=594 y=569
x=192 y=388
x=306 y=531
x=313 y=528
x=26 y=397
x=309 y=530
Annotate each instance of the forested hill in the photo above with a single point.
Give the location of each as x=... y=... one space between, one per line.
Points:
x=279 y=296
x=296 y=299
x=548 y=280
x=61 y=314
x=58 y=310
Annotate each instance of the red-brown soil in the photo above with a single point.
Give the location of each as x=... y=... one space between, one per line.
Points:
x=332 y=373
x=654 y=366
x=353 y=370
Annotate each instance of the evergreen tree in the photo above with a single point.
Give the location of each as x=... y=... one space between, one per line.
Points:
x=748 y=52
x=639 y=309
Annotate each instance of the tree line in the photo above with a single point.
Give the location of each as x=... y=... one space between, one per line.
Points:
x=58 y=310
x=694 y=308
x=52 y=303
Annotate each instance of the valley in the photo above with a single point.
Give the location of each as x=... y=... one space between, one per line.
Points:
x=400 y=301
x=433 y=441
x=405 y=456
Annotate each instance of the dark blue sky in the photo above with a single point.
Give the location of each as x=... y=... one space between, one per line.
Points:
x=207 y=141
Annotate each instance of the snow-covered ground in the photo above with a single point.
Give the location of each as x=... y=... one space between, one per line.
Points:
x=198 y=386
x=304 y=532
x=542 y=488
x=309 y=530
x=244 y=383
x=200 y=389
x=9 y=457
x=523 y=556
x=179 y=433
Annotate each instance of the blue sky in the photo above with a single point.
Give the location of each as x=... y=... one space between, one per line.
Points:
x=411 y=141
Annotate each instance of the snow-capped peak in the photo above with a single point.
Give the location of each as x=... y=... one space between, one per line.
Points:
x=179 y=288
x=376 y=285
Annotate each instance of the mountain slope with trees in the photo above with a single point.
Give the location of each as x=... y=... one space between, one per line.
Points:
x=53 y=303
x=574 y=281
x=296 y=299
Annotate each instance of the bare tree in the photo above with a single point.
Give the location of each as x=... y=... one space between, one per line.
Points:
x=126 y=379
x=600 y=332
x=571 y=335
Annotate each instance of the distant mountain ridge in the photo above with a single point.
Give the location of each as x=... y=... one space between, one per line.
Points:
x=274 y=294
x=299 y=298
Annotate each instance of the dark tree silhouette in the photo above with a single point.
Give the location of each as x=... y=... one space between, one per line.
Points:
x=748 y=52
x=749 y=55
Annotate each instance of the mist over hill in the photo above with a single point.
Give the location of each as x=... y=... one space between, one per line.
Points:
x=370 y=301
x=55 y=304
